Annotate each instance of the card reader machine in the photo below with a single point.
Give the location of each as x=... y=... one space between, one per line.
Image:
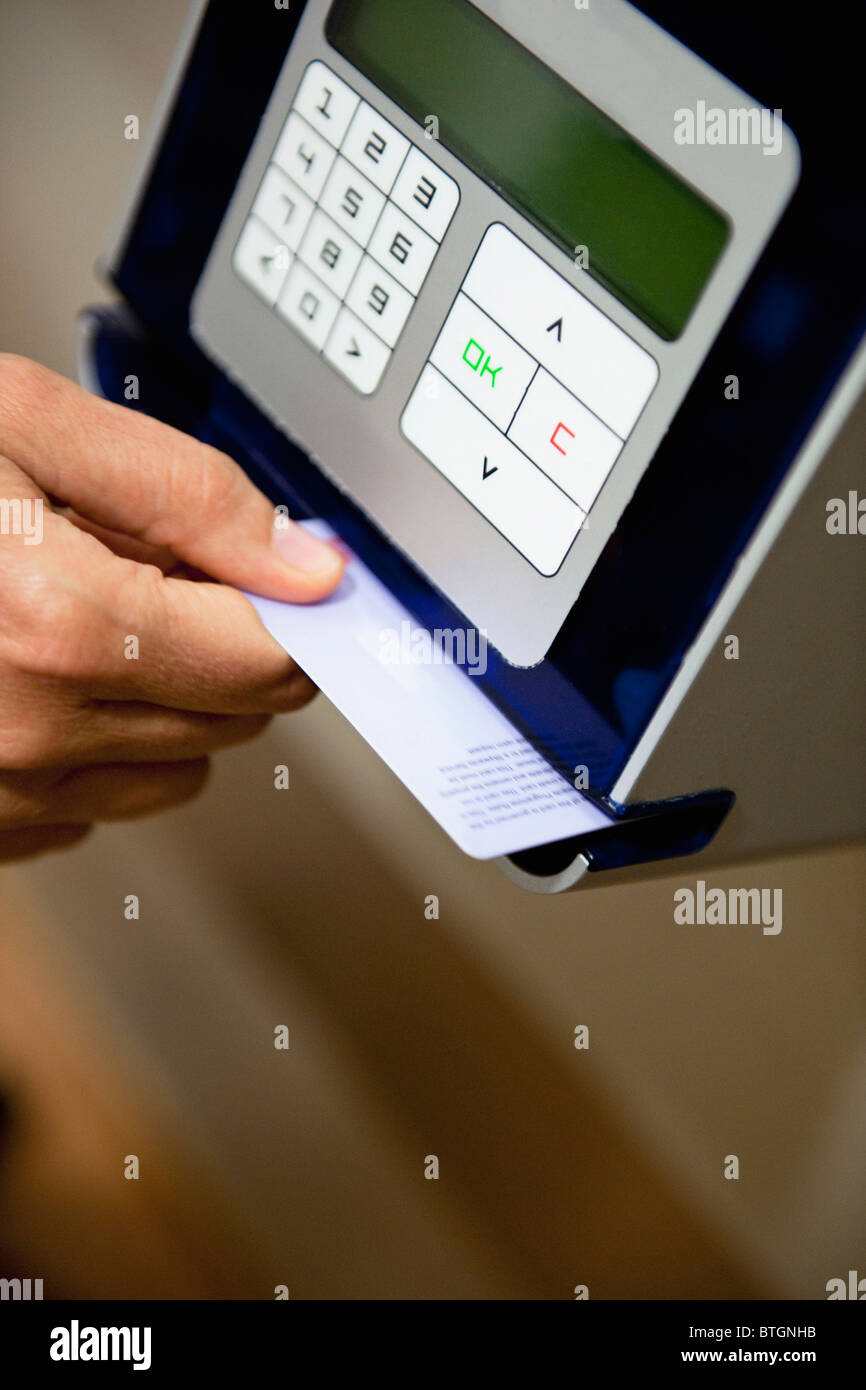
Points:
x=526 y=297
x=515 y=296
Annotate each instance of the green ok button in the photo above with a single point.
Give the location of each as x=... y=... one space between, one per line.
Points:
x=482 y=361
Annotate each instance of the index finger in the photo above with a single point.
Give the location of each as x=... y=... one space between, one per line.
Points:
x=134 y=474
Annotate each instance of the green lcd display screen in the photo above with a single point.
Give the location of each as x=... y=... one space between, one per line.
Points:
x=650 y=238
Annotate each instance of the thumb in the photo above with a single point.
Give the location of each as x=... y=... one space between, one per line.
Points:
x=133 y=474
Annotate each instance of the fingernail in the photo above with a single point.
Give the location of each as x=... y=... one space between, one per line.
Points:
x=302 y=551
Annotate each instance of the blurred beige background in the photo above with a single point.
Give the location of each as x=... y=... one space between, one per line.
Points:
x=408 y=1037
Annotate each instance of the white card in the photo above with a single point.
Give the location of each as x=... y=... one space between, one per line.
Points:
x=416 y=705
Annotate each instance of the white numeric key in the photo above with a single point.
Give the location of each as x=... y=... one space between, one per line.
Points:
x=304 y=155
x=326 y=102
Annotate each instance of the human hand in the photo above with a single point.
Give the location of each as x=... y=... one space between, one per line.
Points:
x=121 y=667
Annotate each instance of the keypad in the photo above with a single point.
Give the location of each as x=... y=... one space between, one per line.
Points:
x=527 y=398
x=344 y=227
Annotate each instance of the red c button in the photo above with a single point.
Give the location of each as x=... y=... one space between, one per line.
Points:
x=559 y=427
